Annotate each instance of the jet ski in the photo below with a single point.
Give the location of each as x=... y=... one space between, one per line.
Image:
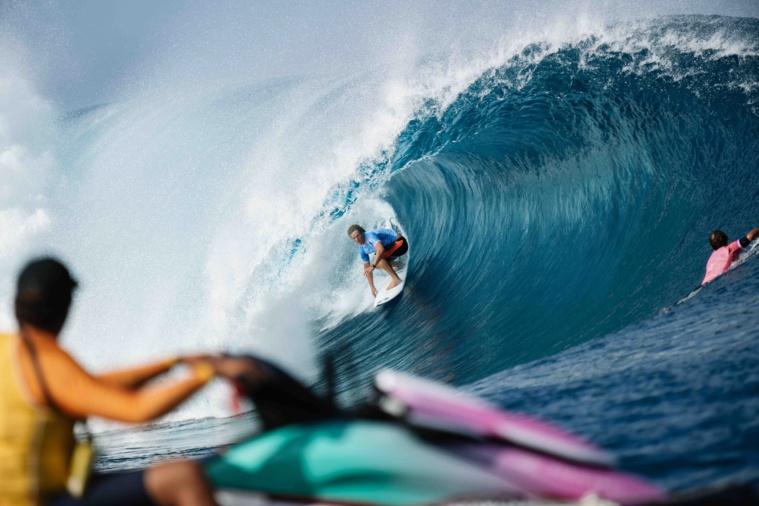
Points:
x=413 y=442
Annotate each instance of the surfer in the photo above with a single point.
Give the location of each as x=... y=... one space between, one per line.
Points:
x=386 y=243
x=725 y=254
x=43 y=391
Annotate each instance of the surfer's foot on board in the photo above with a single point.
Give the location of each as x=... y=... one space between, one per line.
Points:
x=393 y=283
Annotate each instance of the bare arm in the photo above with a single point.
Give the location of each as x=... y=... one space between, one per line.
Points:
x=369 y=273
x=81 y=395
x=753 y=234
x=135 y=377
x=380 y=249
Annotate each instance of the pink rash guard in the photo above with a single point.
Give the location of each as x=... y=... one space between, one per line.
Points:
x=721 y=260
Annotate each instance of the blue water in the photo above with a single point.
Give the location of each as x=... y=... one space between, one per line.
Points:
x=557 y=219
x=558 y=204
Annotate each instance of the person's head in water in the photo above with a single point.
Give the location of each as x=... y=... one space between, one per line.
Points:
x=718 y=239
x=356 y=233
x=43 y=294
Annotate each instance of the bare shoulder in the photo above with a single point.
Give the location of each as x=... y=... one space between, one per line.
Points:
x=59 y=361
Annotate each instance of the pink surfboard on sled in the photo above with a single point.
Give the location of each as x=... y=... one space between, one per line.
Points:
x=427 y=404
x=538 y=474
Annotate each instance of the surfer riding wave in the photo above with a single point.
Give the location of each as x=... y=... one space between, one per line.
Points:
x=386 y=244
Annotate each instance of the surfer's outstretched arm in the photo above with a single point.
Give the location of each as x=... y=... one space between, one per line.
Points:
x=753 y=234
x=369 y=273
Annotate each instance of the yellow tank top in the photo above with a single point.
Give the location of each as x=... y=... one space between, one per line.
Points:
x=35 y=443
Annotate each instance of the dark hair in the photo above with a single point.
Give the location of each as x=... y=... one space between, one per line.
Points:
x=353 y=228
x=43 y=294
x=718 y=239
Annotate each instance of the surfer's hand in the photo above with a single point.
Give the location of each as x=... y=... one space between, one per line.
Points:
x=368 y=270
x=374 y=292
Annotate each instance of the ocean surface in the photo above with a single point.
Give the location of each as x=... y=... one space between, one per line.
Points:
x=557 y=195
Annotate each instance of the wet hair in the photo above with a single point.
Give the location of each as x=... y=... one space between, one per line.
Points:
x=43 y=294
x=353 y=228
x=718 y=239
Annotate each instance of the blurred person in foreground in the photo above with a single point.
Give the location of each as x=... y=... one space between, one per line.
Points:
x=44 y=391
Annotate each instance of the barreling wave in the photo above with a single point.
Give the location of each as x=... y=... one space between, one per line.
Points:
x=554 y=208
x=567 y=193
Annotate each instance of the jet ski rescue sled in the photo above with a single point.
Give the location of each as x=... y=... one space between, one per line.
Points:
x=416 y=443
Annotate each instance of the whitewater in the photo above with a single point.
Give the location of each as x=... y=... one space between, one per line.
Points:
x=558 y=184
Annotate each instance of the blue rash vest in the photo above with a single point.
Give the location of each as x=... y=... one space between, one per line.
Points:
x=385 y=235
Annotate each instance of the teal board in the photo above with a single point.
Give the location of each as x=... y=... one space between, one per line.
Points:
x=349 y=461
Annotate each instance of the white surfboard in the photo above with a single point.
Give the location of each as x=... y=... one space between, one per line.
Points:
x=400 y=266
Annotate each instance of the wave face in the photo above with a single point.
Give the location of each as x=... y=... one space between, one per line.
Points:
x=558 y=210
x=556 y=196
x=569 y=192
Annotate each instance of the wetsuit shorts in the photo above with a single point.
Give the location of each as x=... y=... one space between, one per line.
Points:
x=399 y=247
x=111 y=489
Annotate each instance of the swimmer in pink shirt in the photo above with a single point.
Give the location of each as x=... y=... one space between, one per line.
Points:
x=724 y=253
